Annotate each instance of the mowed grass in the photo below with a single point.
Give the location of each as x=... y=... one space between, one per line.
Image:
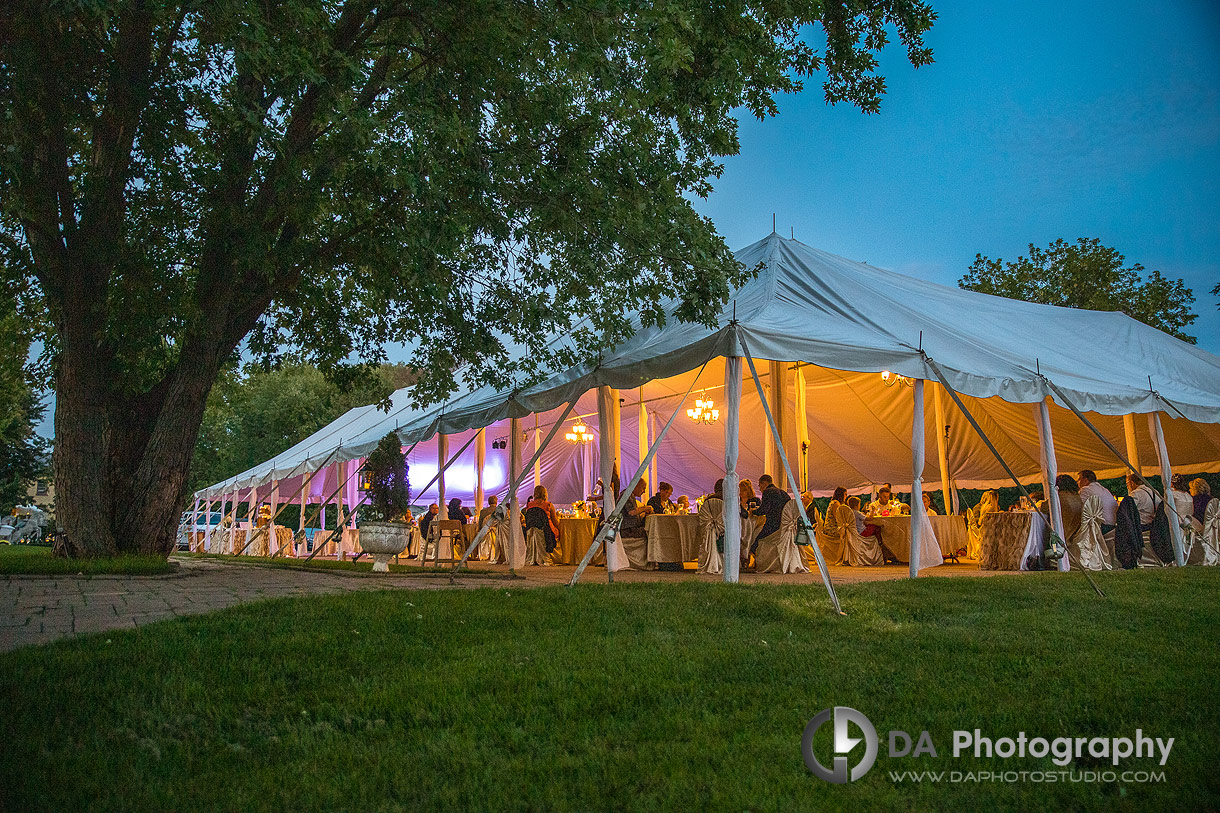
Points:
x=675 y=696
x=37 y=559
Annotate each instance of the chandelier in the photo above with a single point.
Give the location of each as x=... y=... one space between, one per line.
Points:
x=891 y=379
x=580 y=433
x=703 y=411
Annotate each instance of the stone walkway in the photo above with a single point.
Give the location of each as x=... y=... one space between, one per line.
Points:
x=36 y=610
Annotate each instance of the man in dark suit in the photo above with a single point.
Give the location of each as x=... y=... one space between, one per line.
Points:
x=773 y=501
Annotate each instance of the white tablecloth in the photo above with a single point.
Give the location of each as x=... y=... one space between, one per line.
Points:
x=950 y=533
x=672 y=537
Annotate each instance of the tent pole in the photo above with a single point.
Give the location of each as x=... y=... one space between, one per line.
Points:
x=731 y=493
x=799 y=396
x=442 y=453
x=1162 y=451
x=806 y=525
x=252 y=518
x=1050 y=472
x=642 y=435
x=609 y=449
x=537 y=457
x=654 y=469
x=777 y=395
x=514 y=504
x=480 y=460
x=942 y=444
x=918 y=433
x=1133 y=449
x=233 y=526
x=514 y=485
x=190 y=543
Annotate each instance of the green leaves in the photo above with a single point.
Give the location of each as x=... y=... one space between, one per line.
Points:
x=1086 y=274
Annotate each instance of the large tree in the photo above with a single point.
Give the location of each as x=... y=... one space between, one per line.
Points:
x=1086 y=274
x=328 y=176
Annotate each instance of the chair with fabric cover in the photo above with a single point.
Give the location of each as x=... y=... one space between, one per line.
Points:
x=536 y=520
x=777 y=552
x=1209 y=540
x=974 y=532
x=829 y=536
x=489 y=551
x=749 y=533
x=805 y=544
x=1087 y=550
x=711 y=536
x=284 y=544
x=858 y=551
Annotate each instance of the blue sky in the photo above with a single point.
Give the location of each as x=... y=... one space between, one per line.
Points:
x=1038 y=120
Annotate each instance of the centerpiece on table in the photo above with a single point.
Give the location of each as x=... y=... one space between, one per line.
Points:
x=385 y=531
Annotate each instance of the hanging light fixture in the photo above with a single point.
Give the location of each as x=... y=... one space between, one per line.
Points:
x=891 y=379
x=579 y=433
x=366 y=480
x=703 y=411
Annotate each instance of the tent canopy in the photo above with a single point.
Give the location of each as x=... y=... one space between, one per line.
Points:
x=841 y=323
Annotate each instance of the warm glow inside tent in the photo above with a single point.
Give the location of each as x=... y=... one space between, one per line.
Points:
x=838 y=347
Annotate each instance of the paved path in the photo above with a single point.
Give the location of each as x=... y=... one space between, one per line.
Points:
x=35 y=610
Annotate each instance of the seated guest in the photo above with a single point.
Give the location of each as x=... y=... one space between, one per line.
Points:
x=717 y=491
x=1070 y=505
x=749 y=502
x=1089 y=487
x=1201 y=495
x=771 y=508
x=599 y=491
x=1145 y=499
x=683 y=504
x=541 y=528
x=883 y=506
x=455 y=511
x=928 y=507
x=660 y=502
x=632 y=532
x=490 y=510
x=864 y=527
x=1037 y=497
x=989 y=503
x=1183 y=505
x=829 y=534
x=425 y=522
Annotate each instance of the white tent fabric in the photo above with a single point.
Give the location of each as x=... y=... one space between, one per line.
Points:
x=843 y=322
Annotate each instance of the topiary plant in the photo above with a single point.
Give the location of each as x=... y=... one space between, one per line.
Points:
x=390 y=488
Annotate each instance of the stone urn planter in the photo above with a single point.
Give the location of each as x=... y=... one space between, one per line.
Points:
x=383 y=540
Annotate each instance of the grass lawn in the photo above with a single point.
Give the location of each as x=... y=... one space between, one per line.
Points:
x=37 y=559
x=365 y=565
x=682 y=696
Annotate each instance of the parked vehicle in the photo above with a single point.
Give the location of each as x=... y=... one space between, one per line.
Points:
x=203 y=523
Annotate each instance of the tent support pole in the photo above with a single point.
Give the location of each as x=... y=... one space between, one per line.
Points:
x=194 y=524
x=799 y=395
x=609 y=452
x=642 y=435
x=612 y=520
x=513 y=554
x=516 y=479
x=1133 y=449
x=942 y=446
x=806 y=525
x=1162 y=452
x=442 y=454
x=480 y=460
x=1050 y=474
x=918 y=512
x=731 y=493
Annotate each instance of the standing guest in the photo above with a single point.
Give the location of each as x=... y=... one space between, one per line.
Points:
x=1145 y=499
x=1089 y=487
x=599 y=491
x=660 y=502
x=928 y=508
x=455 y=511
x=771 y=507
x=425 y=522
x=1201 y=495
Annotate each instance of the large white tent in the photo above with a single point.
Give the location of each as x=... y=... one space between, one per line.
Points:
x=822 y=329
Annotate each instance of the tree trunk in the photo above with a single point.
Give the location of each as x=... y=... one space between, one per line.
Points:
x=122 y=463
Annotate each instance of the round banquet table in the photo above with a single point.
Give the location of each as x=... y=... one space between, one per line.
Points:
x=672 y=537
x=575 y=536
x=950 y=533
x=1005 y=537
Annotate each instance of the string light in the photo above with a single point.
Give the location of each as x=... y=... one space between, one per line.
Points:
x=891 y=379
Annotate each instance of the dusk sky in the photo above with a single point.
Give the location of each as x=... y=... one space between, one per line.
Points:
x=1038 y=120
